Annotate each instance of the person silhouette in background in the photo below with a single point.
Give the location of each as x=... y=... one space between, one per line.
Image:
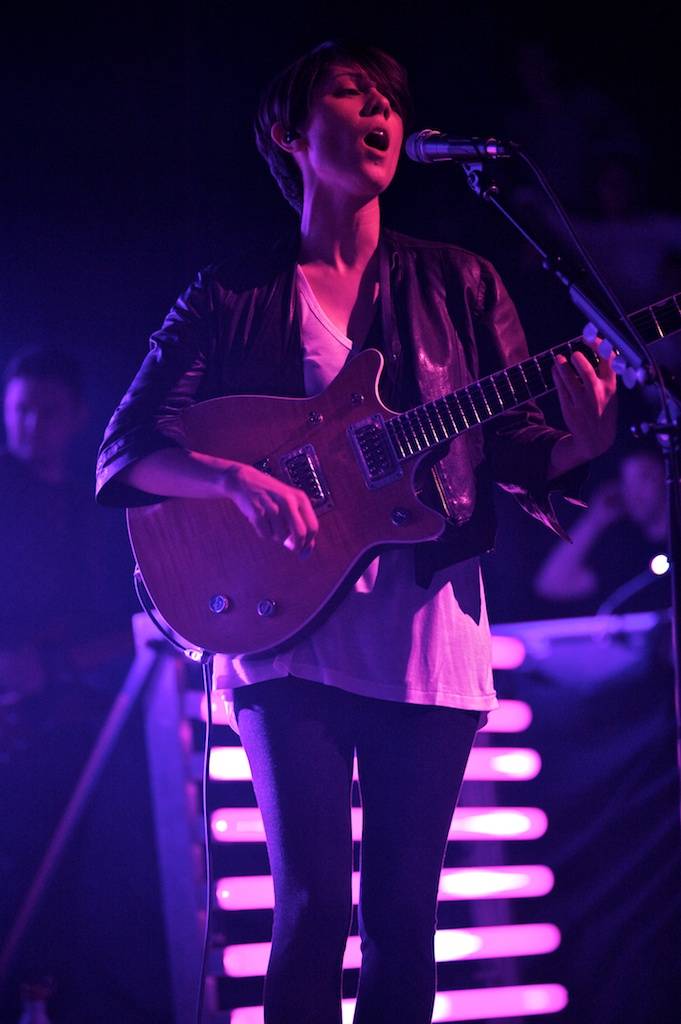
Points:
x=613 y=541
x=64 y=639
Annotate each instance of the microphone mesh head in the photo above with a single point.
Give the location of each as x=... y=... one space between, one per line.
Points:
x=413 y=146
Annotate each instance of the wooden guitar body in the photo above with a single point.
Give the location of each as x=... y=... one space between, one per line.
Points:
x=224 y=589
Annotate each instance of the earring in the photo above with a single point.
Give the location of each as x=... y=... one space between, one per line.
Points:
x=290 y=136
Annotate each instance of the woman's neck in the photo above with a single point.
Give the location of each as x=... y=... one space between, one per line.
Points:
x=341 y=235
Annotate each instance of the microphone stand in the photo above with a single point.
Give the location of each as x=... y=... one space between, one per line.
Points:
x=635 y=363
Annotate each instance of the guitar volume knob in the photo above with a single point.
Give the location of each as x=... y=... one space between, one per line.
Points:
x=266 y=608
x=219 y=603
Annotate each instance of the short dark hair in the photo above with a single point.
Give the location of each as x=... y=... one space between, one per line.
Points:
x=45 y=362
x=288 y=96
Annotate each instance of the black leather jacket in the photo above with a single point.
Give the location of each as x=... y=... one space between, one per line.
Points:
x=446 y=320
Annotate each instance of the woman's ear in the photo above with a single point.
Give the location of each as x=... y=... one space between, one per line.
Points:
x=286 y=138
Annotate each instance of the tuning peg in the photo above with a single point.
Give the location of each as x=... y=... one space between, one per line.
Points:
x=604 y=347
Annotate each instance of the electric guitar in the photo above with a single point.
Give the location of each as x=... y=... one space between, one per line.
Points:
x=222 y=588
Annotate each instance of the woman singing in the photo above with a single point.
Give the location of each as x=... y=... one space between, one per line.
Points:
x=399 y=670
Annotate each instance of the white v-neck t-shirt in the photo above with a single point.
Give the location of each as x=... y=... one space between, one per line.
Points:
x=388 y=638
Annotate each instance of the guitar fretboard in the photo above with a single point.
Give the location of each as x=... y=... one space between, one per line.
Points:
x=433 y=423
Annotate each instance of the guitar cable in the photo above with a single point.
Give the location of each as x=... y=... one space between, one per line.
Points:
x=206 y=661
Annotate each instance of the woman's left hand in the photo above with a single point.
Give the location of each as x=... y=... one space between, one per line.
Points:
x=588 y=401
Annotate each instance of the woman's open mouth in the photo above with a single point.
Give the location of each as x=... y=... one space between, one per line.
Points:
x=378 y=139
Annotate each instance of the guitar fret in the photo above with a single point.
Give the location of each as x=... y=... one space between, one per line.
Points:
x=667 y=317
x=445 y=405
x=392 y=428
x=409 y=434
x=429 y=422
x=507 y=378
x=424 y=424
x=401 y=434
x=656 y=322
x=547 y=361
x=445 y=432
x=477 y=401
x=540 y=370
x=519 y=383
x=522 y=374
x=535 y=381
x=500 y=400
x=465 y=395
x=646 y=324
x=481 y=392
x=458 y=412
x=413 y=415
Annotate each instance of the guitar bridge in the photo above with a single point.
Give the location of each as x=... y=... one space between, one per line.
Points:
x=374 y=452
x=301 y=468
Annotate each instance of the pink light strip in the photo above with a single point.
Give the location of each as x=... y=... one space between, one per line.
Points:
x=498 y=764
x=256 y=892
x=510 y=716
x=464 y=1004
x=508 y=652
x=249 y=960
x=244 y=824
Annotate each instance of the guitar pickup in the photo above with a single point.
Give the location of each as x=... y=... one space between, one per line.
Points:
x=301 y=468
x=374 y=452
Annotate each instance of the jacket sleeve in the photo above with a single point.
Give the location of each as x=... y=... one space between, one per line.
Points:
x=519 y=442
x=171 y=375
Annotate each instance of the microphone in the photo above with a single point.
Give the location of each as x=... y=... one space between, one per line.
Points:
x=429 y=147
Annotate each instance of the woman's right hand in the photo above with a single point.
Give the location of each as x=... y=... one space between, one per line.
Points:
x=275 y=510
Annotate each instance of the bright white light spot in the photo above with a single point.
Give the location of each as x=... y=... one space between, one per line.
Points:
x=479 y=883
x=455 y=945
x=659 y=565
x=220 y=825
x=525 y=765
x=498 y=823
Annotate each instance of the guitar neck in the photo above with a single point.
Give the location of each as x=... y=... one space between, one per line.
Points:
x=426 y=426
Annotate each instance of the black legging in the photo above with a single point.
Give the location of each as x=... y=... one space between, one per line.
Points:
x=300 y=737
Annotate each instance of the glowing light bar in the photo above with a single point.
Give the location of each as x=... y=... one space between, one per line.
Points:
x=488 y=883
x=510 y=716
x=250 y=959
x=506 y=1001
x=464 y=1004
x=230 y=764
x=508 y=652
x=500 y=763
x=497 y=823
x=244 y=824
x=256 y=892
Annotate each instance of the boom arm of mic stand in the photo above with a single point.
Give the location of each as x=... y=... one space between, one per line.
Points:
x=634 y=360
